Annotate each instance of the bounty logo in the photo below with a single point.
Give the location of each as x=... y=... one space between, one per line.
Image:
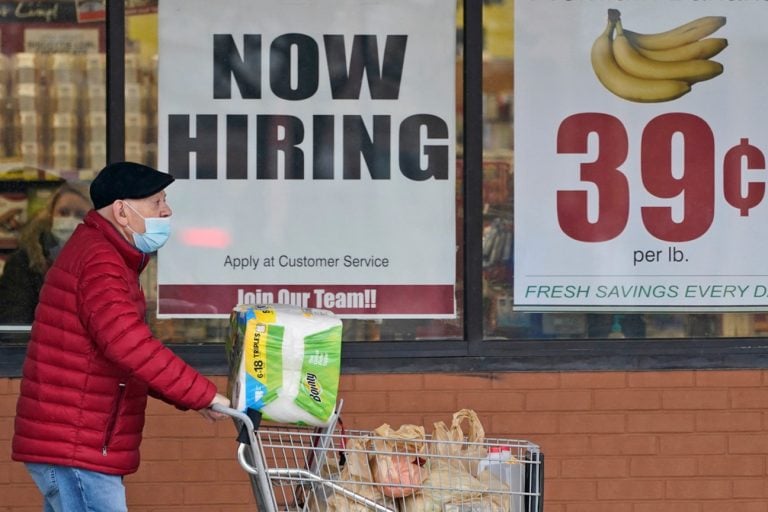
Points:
x=312 y=387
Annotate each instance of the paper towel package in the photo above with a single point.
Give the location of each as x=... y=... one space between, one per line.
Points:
x=285 y=362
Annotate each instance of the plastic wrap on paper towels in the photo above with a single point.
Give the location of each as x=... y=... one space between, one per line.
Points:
x=285 y=362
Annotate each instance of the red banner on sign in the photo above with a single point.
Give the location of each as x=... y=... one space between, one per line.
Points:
x=357 y=300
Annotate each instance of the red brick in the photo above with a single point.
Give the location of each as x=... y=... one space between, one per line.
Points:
x=527 y=424
x=728 y=421
x=18 y=474
x=558 y=400
x=153 y=494
x=630 y=444
x=424 y=401
x=22 y=495
x=663 y=466
x=661 y=380
x=627 y=399
x=570 y=490
x=361 y=402
x=186 y=460
x=458 y=382
x=524 y=381
x=748 y=443
x=490 y=401
x=8 y=406
x=346 y=383
x=5 y=451
x=661 y=422
x=200 y=508
x=190 y=424
x=699 y=489
x=226 y=429
x=161 y=449
x=6 y=428
x=594 y=467
x=630 y=489
x=597 y=507
x=593 y=380
x=693 y=444
x=430 y=419
x=749 y=398
x=389 y=382
x=230 y=471
x=160 y=408
x=735 y=506
x=570 y=445
x=591 y=423
x=728 y=379
x=750 y=488
x=368 y=421
x=694 y=399
x=180 y=471
x=216 y=493
x=676 y=506
x=732 y=465
x=196 y=449
x=9 y=386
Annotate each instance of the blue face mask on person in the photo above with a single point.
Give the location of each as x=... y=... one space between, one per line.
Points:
x=157 y=230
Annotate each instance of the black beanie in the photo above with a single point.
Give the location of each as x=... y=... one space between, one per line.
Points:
x=127 y=180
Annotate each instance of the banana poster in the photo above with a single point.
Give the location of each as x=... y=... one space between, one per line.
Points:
x=313 y=146
x=640 y=143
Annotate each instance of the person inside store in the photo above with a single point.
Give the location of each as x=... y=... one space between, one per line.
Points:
x=92 y=361
x=40 y=241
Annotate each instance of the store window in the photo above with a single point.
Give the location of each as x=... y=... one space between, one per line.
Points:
x=52 y=137
x=502 y=320
x=57 y=102
x=53 y=140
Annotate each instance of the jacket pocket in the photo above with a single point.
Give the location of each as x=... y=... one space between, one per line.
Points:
x=112 y=421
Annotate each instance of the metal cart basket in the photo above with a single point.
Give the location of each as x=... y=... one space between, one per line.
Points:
x=296 y=468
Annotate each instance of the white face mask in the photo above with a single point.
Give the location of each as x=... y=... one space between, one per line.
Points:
x=63 y=227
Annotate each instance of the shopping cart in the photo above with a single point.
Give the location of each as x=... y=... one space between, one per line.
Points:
x=295 y=468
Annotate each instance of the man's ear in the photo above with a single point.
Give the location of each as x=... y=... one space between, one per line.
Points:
x=118 y=211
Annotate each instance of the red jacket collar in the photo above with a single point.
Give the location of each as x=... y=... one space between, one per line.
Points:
x=133 y=257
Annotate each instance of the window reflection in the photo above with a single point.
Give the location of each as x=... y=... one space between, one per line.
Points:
x=52 y=140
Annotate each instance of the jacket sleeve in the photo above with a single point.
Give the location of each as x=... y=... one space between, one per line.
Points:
x=117 y=327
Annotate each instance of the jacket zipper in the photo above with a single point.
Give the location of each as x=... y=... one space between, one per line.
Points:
x=113 y=418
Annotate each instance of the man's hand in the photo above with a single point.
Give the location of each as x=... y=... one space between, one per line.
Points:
x=209 y=414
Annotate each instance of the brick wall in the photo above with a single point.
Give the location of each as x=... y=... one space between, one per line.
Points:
x=682 y=441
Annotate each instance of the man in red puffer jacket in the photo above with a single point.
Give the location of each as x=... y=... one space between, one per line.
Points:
x=92 y=359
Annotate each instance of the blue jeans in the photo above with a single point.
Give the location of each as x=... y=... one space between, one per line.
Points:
x=66 y=489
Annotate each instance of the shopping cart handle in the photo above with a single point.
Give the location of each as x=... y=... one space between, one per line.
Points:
x=234 y=413
x=247 y=422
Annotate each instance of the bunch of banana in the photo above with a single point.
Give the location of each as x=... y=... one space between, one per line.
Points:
x=650 y=68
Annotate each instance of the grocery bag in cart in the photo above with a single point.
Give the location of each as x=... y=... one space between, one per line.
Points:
x=334 y=469
x=284 y=361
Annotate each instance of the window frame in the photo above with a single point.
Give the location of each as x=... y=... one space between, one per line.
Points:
x=473 y=354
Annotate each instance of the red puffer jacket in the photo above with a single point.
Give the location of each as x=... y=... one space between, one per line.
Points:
x=92 y=360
